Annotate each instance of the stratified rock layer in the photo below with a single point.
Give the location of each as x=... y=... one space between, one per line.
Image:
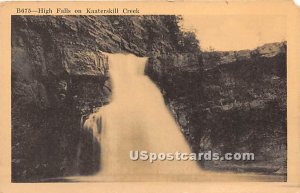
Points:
x=235 y=102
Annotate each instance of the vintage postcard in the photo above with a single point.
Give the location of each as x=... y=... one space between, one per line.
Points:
x=182 y=96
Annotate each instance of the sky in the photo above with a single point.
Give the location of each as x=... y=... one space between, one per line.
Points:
x=235 y=32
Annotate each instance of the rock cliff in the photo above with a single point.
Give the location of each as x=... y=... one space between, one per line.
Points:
x=235 y=102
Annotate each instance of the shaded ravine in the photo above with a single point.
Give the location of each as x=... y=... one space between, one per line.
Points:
x=138 y=119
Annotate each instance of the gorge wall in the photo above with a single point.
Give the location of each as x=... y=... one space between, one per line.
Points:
x=60 y=76
x=234 y=102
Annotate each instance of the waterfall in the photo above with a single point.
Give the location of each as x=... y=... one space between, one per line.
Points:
x=138 y=119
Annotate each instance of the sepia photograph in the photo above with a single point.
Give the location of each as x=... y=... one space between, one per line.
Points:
x=142 y=98
x=155 y=97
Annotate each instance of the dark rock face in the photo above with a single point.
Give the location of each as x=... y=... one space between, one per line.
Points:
x=59 y=76
x=53 y=86
x=232 y=102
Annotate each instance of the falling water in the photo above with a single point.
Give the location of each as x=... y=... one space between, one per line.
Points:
x=138 y=119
